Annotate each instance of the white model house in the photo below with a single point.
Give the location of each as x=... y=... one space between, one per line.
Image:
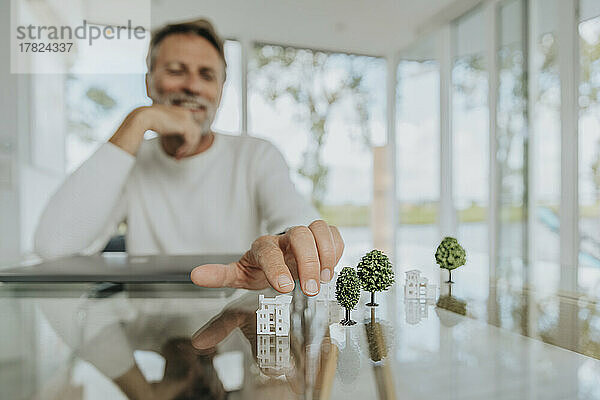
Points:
x=415 y=311
x=273 y=315
x=273 y=353
x=417 y=287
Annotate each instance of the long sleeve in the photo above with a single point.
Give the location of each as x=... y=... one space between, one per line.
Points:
x=280 y=204
x=83 y=213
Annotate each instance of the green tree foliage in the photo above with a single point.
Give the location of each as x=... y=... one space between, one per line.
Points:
x=375 y=271
x=347 y=288
x=87 y=105
x=450 y=254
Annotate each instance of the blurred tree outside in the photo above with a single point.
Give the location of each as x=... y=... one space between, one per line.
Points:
x=317 y=83
x=589 y=95
x=87 y=104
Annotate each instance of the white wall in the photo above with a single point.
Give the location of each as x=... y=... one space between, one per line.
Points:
x=32 y=151
x=377 y=27
x=9 y=187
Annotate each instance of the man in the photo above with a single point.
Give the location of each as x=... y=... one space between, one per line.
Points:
x=191 y=190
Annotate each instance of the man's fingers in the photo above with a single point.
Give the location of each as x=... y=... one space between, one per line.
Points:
x=215 y=331
x=304 y=248
x=325 y=248
x=269 y=257
x=213 y=275
x=190 y=143
x=338 y=242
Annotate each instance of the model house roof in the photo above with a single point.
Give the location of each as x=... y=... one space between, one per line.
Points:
x=281 y=299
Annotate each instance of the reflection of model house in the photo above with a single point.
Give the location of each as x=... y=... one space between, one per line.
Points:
x=326 y=299
x=273 y=352
x=417 y=287
x=273 y=315
x=327 y=291
x=415 y=311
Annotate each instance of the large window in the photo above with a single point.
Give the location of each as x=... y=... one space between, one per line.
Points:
x=418 y=153
x=325 y=112
x=511 y=155
x=471 y=134
x=545 y=124
x=511 y=142
x=589 y=146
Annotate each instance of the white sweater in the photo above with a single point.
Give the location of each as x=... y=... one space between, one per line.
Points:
x=218 y=201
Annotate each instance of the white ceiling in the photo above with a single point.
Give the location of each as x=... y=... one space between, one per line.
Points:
x=375 y=27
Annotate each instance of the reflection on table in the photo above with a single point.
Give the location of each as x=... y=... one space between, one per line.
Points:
x=178 y=343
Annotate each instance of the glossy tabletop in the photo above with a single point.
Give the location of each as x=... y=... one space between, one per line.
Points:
x=177 y=341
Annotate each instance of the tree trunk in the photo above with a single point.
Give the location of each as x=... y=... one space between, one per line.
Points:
x=372 y=303
x=449 y=276
x=347 y=320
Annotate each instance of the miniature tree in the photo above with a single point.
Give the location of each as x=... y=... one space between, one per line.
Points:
x=347 y=292
x=376 y=273
x=450 y=255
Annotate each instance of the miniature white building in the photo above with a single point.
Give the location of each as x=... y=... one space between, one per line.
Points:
x=273 y=315
x=417 y=287
x=273 y=353
x=327 y=291
x=415 y=311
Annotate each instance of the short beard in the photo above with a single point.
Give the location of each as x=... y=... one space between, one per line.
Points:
x=172 y=99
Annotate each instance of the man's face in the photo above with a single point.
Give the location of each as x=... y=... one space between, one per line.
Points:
x=188 y=72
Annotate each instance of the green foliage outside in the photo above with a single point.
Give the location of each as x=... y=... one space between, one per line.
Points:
x=450 y=254
x=418 y=214
x=347 y=288
x=375 y=271
x=87 y=106
x=303 y=76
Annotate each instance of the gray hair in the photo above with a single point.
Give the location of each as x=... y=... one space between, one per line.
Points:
x=199 y=27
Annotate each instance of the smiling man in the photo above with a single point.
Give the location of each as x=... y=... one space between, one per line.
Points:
x=191 y=190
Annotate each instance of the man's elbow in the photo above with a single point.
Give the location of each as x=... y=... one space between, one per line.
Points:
x=48 y=245
x=45 y=247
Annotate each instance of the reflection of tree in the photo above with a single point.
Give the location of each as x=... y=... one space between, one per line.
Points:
x=555 y=324
x=317 y=83
x=348 y=366
x=453 y=304
x=87 y=105
x=379 y=335
x=590 y=334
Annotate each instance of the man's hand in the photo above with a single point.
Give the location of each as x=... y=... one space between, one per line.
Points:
x=307 y=253
x=165 y=120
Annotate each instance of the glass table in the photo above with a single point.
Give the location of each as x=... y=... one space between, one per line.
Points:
x=474 y=340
